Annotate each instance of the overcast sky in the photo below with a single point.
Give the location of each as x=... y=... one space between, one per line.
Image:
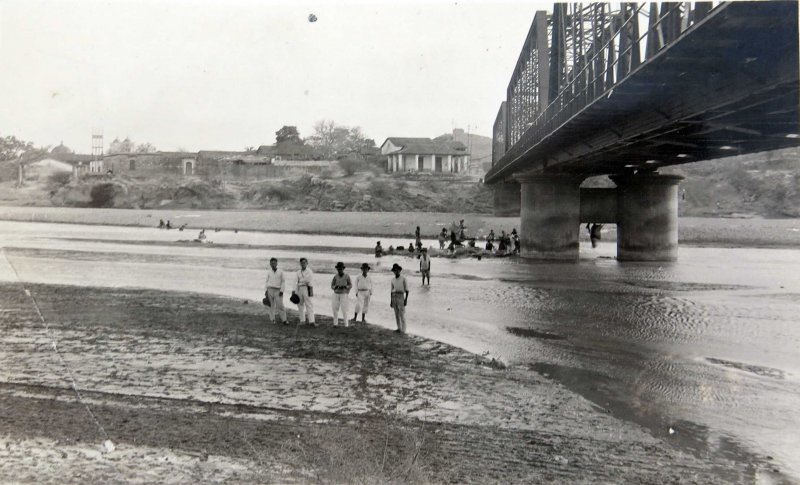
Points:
x=225 y=75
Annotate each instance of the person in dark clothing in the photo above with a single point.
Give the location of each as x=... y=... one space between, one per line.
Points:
x=594 y=233
x=515 y=238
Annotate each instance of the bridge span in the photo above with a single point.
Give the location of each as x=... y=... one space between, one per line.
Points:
x=626 y=90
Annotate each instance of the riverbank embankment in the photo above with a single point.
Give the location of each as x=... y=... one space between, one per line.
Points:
x=723 y=232
x=189 y=388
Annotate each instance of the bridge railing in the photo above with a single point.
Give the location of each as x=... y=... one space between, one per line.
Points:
x=576 y=56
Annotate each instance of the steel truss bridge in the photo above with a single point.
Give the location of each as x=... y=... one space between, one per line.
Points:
x=605 y=88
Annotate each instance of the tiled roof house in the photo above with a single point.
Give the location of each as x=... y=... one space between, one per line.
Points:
x=424 y=155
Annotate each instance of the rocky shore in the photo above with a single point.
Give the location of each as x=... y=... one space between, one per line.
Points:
x=139 y=386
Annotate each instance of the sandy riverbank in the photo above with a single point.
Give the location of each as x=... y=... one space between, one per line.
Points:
x=692 y=230
x=192 y=388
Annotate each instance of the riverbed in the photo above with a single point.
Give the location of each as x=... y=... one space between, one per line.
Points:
x=702 y=352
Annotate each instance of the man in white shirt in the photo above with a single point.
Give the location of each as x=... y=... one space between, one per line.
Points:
x=363 y=293
x=341 y=286
x=305 y=284
x=276 y=284
x=399 y=297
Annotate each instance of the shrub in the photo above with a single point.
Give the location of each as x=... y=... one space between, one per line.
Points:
x=59 y=179
x=351 y=165
x=380 y=188
x=102 y=195
x=279 y=192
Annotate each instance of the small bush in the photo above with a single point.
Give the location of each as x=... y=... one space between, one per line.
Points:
x=351 y=165
x=279 y=192
x=380 y=188
x=102 y=195
x=59 y=179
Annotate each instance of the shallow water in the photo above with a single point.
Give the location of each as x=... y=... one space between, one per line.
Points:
x=706 y=346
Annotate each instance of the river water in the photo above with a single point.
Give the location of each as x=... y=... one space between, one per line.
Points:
x=703 y=352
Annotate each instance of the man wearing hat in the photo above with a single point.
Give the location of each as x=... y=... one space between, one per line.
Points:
x=425 y=266
x=363 y=292
x=341 y=286
x=305 y=289
x=276 y=284
x=399 y=297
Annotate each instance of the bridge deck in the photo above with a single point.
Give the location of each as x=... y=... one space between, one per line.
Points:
x=726 y=86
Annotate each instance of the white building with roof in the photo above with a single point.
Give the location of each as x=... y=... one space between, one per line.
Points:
x=425 y=155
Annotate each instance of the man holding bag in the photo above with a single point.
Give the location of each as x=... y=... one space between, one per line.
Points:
x=276 y=284
x=305 y=290
x=341 y=286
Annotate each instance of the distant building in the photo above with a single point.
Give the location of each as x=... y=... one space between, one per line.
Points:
x=289 y=150
x=61 y=150
x=148 y=164
x=425 y=155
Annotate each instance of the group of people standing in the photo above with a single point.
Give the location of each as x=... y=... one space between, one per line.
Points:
x=506 y=243
x=341 y=285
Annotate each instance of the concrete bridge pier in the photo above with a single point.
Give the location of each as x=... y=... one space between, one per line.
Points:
x=550 y=216
x=506 y=199
x=647 y=217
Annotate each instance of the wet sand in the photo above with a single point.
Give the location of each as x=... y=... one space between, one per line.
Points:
x=728 y=232
x=195 y=388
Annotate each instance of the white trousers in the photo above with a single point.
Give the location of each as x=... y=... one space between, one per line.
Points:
x=306 y=305
x=362 y=302
x=275 y=304
x=399 y=306
x=339 y=300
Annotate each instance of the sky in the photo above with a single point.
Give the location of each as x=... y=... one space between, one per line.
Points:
x=214 y=75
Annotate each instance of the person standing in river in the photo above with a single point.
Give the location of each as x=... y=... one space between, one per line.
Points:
x=425 y=266
x=341 y=286
x=399 y=298
x=275 y=286
x=305 y=289
x=363 y=293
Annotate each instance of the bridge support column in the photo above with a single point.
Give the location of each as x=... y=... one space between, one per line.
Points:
x=647 y=217
x=550 y=216
x=507 y=199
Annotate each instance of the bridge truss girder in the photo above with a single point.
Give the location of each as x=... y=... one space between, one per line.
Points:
x=580 y=57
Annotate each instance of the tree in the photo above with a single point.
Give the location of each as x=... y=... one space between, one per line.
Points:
x=335 y=141
x=11 y=147
x=358 y=144
x=124 y=146
x=145 y=148
x=288 y=133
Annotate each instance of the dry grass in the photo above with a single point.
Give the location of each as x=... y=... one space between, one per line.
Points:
x=336 y=454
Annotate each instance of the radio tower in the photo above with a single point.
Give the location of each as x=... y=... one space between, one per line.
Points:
x=97 y=144
x=97 y=149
